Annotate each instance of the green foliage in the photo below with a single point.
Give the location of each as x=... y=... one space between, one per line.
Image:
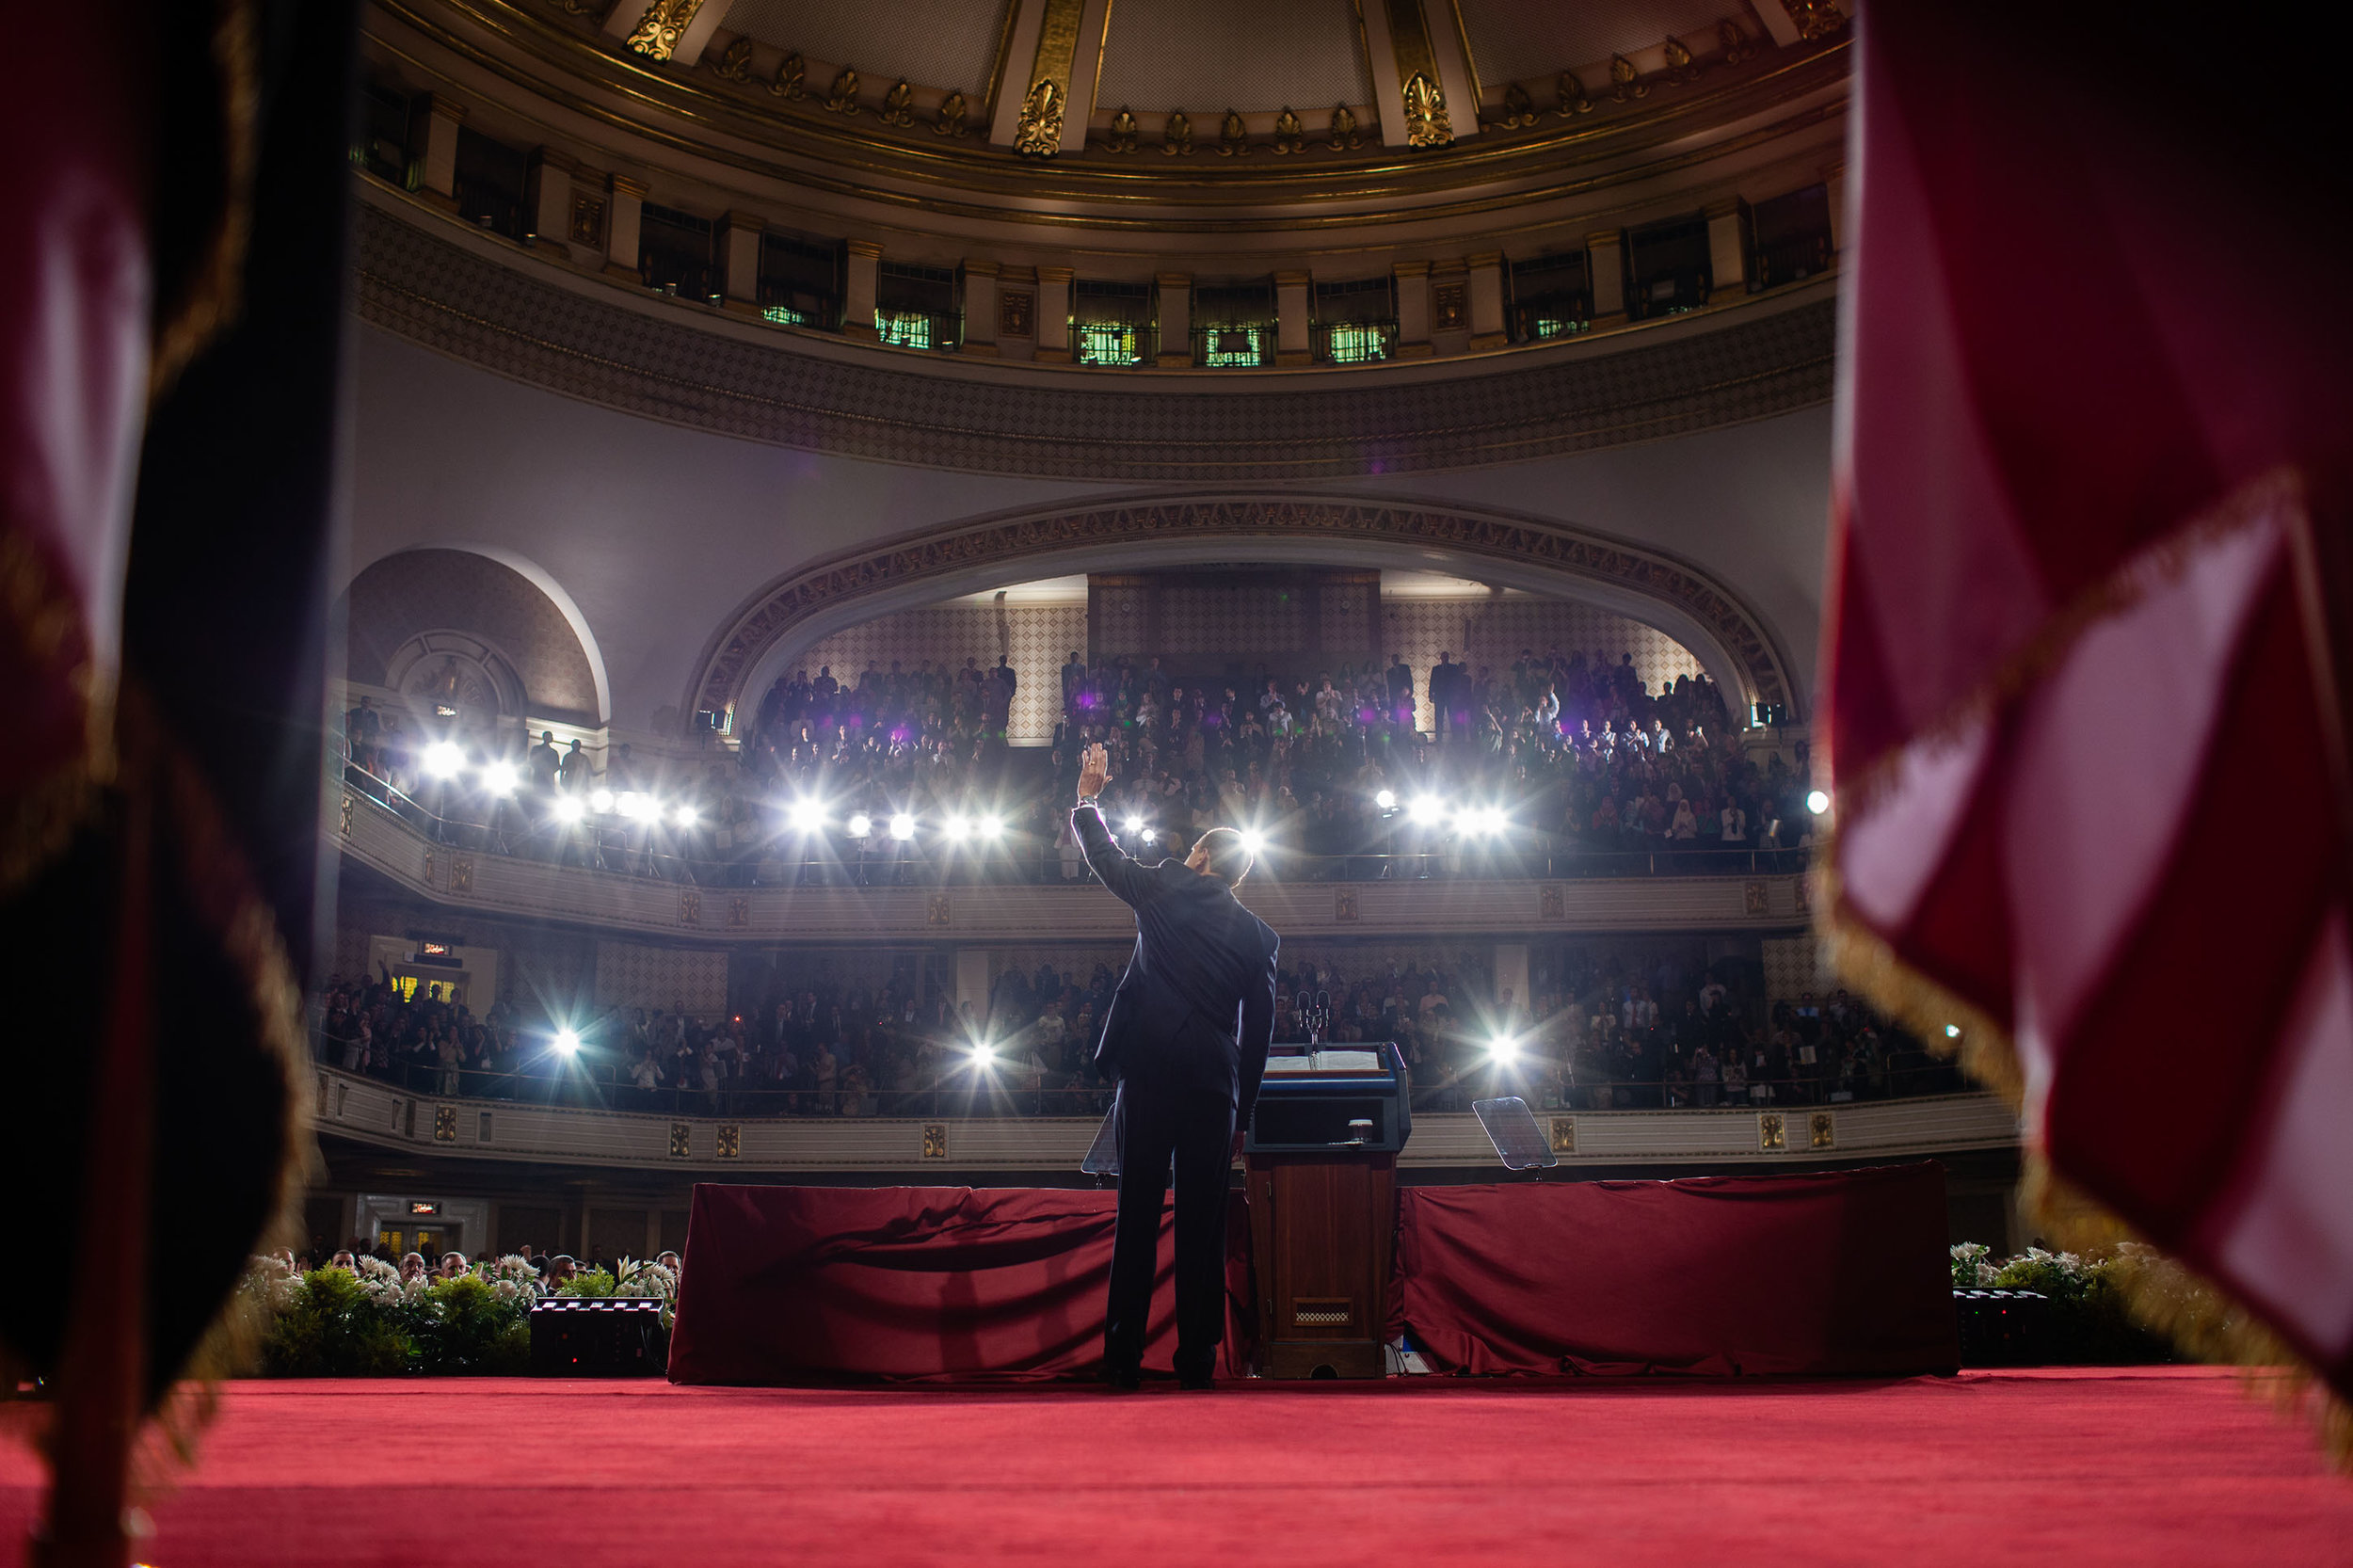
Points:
x=463 y=1327
x=597 y=1283
x=332 y=1323
x=2089 y=1322
x=330 y=1327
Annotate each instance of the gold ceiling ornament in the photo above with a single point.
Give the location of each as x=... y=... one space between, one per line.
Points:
x=1518 y=108
x=1344 y=138
x=953 y=116
x=1290 y=136
x=1039 y=130
x=580 y=7
x=664 y=23
x=735 y=62
x=1124 y=135
x=1426 y=122
x=1816 y=19
x=1736 y=43
x=1176 y=136
x=899 y=103
x=1233 y=136
x=1624 y=81
x=1574 y=101
x=1682 y=67
x=791 y=77
x=843 y=98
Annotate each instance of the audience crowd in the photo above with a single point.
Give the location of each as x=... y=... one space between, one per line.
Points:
x=1553 y=765
x=1612 y=1033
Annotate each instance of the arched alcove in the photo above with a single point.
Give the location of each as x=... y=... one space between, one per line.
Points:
x=438 y=613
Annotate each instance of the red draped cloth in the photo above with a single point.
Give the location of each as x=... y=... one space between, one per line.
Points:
x=1838 y=1272
x=916 y=1284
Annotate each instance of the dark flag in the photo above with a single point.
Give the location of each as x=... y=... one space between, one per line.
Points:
x=171 y=339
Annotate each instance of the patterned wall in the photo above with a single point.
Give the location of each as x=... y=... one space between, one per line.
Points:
x=423 y=590
x=1796 y=964
x=1034 y=638
x=1492 y=632
x=667 y=980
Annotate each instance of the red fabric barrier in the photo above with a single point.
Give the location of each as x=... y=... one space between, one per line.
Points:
x=811 y=1284
x=1841 y=1272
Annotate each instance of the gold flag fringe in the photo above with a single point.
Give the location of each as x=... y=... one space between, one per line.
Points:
x=2163 y=1294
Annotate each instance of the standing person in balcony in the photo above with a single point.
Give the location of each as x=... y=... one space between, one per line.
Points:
x=1186 y=1042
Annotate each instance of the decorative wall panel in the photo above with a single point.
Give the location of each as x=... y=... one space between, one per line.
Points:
x=667 y=980
x=425 y=590
x=1796 y=964
x=1035 y=639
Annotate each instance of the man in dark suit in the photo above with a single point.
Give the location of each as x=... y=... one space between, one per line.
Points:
x=1187 y=1041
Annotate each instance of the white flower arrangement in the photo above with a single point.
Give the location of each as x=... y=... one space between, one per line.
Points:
x=645 y=1280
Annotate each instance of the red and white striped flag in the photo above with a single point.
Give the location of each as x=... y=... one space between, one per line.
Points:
x=2093 y=448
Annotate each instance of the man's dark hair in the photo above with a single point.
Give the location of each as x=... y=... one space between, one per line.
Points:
x=1230 y=856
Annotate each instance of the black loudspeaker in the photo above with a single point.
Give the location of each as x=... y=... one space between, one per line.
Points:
x=1998 y=1328
x=582 y=1337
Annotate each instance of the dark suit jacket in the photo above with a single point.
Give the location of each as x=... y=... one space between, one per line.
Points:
x=1195 y=1009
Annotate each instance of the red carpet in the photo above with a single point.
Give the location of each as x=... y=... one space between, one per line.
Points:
x=2093 y=1466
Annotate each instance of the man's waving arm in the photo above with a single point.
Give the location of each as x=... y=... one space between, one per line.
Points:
x=1129 y=882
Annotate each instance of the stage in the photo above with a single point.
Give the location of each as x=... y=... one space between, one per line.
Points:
x=2124 y=1467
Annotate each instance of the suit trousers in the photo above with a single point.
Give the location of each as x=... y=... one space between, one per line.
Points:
x=1194 y=1128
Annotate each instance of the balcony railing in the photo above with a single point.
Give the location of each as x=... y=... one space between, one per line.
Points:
x=1234 y=347
x=1113 y=343
x=936 y=329
x=1353 y=342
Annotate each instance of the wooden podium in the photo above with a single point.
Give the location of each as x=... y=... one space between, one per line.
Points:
x=1321 y=1158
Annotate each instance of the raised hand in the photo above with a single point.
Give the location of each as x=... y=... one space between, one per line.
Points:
x=1094 y=771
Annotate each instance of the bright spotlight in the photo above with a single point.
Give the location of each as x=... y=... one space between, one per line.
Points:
x=957 y=829
x=442 y=758
x=684 y=816
x=1387 y=800
x=634 y=806
x=1504 y=1050
x=567 y=1042
x=600 y=801
x=567 y=809
x=1492 y=820
x=991 y=827
x=983 y=1054
x=1252 y=840
x=860 y=824
x=808 y=816
x=1150 y=837
x=1425 y=810
x=903 y=825
x=1952 y=1031
x=1818 y=801
x=1133 y=825
x=500 y=778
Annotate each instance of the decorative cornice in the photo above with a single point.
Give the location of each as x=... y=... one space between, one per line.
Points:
x=729 y=661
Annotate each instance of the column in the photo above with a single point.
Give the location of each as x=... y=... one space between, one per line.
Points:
x=653 y=1234
x=738 y=260
x=549 y=194
x=980 y=310
x=1727 y=248
x=1486 y=302
x=857 y=290
x=1836 y=181
x=1176 y=319
x=1017 y=312
x=1054 y=313
x=1291 y=345
x=973 y=981
x=1607 y=273
x=1412 y=309
x=624 y=198
x=1421 y=79
x=1512 y=975
x=433 y=122
x=1449 y=307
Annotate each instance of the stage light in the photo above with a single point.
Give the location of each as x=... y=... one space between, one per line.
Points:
x=1133 y=825
x=808 y=816
x=903 y=825
x=1252 y=840
x=1818 y=801
x=956 y=827
x=1425 y=810
x=983 y=1054
x=684 y=816
x=1150 y=837
x=1952 y=1031
x=1387 y=800
x=992 y=827
x=600 y=801
x=1492 y=820
x=1503 y=1049
x=567 y=809
x=860 y=824
x=500 y=778
x=443 y=760
x=567 y=1042
x=635 y=805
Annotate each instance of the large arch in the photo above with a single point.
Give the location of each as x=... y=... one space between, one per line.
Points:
x=486 y=592
x=756 y=644
x=537 y=576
